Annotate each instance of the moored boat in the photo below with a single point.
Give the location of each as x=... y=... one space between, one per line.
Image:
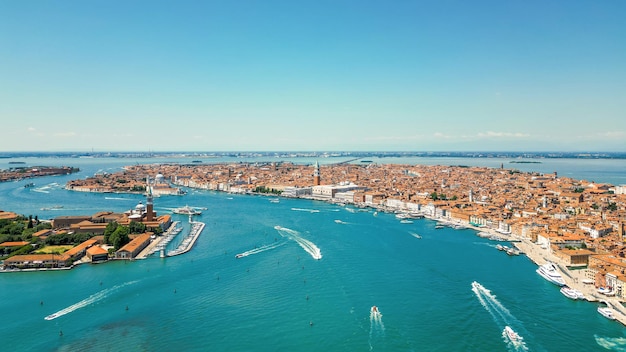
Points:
x=549 y=272
x=572 y=293
x=606 y=312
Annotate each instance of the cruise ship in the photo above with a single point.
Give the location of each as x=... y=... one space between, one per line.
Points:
x=549 y=272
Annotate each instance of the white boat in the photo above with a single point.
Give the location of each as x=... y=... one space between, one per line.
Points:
x=572 y=293
x=405 y=221
x=499 y=247
x=187 y=210
x=606 y=312
x=512 y=335
x=548 y=271
x=374 y=310
x=512 y=251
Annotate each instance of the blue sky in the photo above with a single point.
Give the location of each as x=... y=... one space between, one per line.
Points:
x=313 y=75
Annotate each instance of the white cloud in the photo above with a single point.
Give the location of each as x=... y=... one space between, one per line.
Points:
x=492 y=134
x=612 y=134
x=65 y=134
x=31 y=129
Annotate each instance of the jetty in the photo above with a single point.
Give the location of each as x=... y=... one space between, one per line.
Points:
x=186 y=245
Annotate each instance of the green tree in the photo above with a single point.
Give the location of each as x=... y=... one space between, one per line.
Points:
x=111 y=227
x=119 y=237
x=137 y=227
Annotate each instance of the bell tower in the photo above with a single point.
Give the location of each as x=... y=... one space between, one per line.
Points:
x=316 y=174
x=149 y=201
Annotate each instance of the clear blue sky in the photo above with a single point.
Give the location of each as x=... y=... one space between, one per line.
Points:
x=313 y=75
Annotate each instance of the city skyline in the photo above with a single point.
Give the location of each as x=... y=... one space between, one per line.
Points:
x=506 y=76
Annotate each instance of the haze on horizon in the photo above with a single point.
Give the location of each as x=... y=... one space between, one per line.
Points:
x=313 y=75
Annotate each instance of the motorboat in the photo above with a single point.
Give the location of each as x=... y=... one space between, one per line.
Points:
x=512 y=335
x=549 y=272
x=405 y=221
x=572 y=293
x=374 y=310
x=512 y=251
x=606 y=312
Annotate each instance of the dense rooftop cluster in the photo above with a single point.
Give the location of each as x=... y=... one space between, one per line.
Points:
x=556 y=212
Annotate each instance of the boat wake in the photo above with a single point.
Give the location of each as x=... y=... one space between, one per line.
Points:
x=377 y=328
x=116 y=198
x=260 y=249
x=501 y=316
x=306 y=210
x=307 y=245
x=611 y=343
x=87 y=301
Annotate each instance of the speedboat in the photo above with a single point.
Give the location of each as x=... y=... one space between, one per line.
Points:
x=512 y=335
x=548 y=271
x=606 y=312
x=374 y=310
x=405 y=221
x=572 y=293
x=240 y=255
x=52 y=316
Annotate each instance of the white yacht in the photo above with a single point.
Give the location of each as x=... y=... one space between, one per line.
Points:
x=606 y=312
x=572 y=293
x=550 y=273
x=187 y=210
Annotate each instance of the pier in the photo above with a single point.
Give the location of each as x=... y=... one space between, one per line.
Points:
x=161 y=242
x=186 y=245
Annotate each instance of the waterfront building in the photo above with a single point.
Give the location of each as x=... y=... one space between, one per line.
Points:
x=97 y=254
x=134 y=247
x=34 y=261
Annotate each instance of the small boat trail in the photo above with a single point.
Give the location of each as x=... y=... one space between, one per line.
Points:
x=307 y=245
x=377 y=328
x=501 y=316
x=98 y=296
x=260 y=249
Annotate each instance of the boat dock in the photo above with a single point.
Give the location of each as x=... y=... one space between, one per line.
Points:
x=573 y=278
x=161 y=241
x=186 y=245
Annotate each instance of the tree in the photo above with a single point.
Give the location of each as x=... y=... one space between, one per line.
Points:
x=119 y=237
x=111 y=227
x=137 y=227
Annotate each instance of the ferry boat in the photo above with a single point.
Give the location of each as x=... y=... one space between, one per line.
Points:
x=606 y=312
x=572 y=293
x=548 y=271
x=512 y=335
x=187 y=210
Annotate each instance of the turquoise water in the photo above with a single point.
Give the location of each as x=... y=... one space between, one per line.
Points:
x=282 y=298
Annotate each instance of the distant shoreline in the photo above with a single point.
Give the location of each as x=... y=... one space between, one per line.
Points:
x=196 y=155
